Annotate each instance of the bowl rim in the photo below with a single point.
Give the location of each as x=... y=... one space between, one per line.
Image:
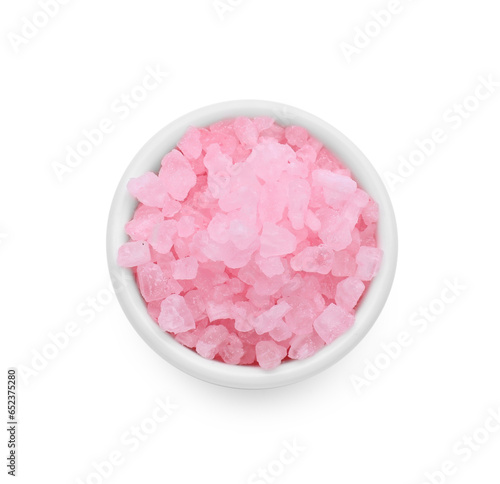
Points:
x=250 y=377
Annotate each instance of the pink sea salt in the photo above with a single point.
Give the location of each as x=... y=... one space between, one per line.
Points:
x=253 y=244
x=332 y=323
x=269 y=354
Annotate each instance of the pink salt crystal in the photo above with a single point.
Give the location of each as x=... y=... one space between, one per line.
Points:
x=276 y=241
x=218 y=228
x=196 y=304
x=236 y=286
x=132 y=254
x=246 y=131
x=335 y=231
x=162 y=235
x=368 y=260
x=225 y=126
x=271 y=318
x=225 y=139
x=273 y=200
x=216 y=161
x=210 y=341
x=190 y=144
x=219 y=310
x=188 y=339
x=270 y=159
x=152 y=283
x=231 y=351
x=241 y=153
x=185 y=269
x=368 y=236
x=355 y=244
x=258 y=300
x=344 y=264
x=248 y=357
x=281 y=332
x=274 y=132
x=307 y=154
x=154 y=308
x=270 y=266
x=170 y=207
x=315 y=144
x=186 y=226
x=299 y=194
x=148 y=189
x=235 y=258
x=332 y=322
x=177 y=175
x=263 y=122
x=304 y=345
x=145 y=218
x=300 y=318
x=243 y=316
x=312 y=221
x=352 y=208
x=335 y=186
x=173 y=286
x=370 y=213
x=296 y=135
x=175 y=316
x=181 y=248
x=269 y=354
x=314 y=259
x=348 y=293
x=242 y=233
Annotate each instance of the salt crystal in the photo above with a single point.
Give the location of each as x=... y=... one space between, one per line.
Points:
x=190 y=144
x=152 y=283
x=211 y=340
x=148 y=189
x=296 y=135
x=145 y=219
x=314 y=259
x=246 y=131
x=276 y=241
x=231 y=350
x=162 y=235
x=175 y=316
x=269 y=354
x=370 y=213
x=177 y=175
x=132 y=254
x=186 y=268
x=305 y=345
x=344 y=264
x=368 y=260
x=348 y=293
x=270 y=160
x=270 y=266
x=332 y=323
x=186 y=226
x=299 y=194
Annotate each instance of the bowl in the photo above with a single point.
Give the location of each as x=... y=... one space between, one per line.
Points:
x=187 y=360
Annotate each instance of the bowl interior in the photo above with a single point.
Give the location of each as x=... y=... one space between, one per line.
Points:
x=250 y=377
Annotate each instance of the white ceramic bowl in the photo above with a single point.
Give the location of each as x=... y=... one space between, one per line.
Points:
x=250 y=377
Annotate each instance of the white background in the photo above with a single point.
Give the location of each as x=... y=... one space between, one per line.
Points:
x=407 y=421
